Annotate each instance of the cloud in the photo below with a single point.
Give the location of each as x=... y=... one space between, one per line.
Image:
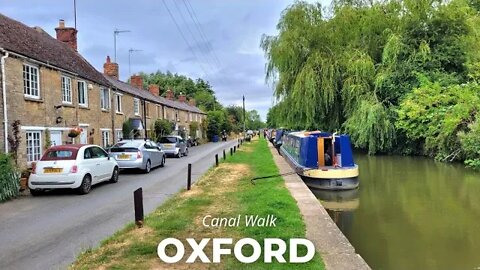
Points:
x=227 y=54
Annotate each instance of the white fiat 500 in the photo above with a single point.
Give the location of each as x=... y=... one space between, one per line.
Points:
x=74 y=166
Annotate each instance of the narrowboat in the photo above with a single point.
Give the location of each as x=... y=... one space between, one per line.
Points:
x=323 y=160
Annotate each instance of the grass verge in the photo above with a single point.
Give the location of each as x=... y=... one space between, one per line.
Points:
x=224 y=191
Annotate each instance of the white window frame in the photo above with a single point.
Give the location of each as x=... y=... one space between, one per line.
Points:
x=119 y=135
x=118 y=102
x=66 y=84
x=82 y=94
x=147 y=109
x=33 y=88
x=105 y=104
x=105 y=138
x=34 y=152
x=136 y=106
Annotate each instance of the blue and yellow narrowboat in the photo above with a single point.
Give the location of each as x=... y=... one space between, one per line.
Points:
x=323 y=160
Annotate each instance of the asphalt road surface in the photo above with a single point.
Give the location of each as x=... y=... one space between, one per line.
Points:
x=48 y=232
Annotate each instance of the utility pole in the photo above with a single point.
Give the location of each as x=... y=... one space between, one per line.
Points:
x=115 y=33
x=244 y=116
x=129 y=55
x=75 y=12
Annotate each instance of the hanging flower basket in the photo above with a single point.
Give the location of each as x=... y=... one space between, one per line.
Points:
x=74 y=132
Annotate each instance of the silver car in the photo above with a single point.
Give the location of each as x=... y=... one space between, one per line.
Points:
x=174 y=146
x=138 y=154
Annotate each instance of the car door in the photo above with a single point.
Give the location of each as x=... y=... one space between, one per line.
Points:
x=102 y=164
x=90 y=164
x=183 y=146
x=157 y=153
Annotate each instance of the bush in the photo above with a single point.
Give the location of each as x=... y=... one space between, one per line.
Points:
x=163 y=127
x=9 y=178
x=215 y=121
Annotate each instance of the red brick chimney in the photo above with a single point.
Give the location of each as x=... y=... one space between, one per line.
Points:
x=110 y=69
x=192 y=102
x=67 y=34
x=154 y=89
x=169 y=94
x=182 y=98
x=136 y=81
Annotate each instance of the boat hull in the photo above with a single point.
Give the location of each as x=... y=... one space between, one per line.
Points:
x=328 y=178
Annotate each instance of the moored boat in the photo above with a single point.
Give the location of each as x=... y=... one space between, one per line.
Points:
x=323 y=160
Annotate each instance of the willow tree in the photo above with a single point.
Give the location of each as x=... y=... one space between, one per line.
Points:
x=350 y=70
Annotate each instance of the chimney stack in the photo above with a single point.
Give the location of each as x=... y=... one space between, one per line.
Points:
x=110 y=69
x=154 y=89
x=136 y=81
x=192 y=102
x=182 y=98
x=67 y=34
x=169 y=94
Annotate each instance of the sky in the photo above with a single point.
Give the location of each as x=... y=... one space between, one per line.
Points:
x=216 y=40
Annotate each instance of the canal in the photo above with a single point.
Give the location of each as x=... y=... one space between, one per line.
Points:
x=411 y=213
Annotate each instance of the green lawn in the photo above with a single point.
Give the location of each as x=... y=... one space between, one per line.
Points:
x=225 y=191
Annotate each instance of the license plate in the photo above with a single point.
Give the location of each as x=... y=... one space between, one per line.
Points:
x=52 y=170
x=169 y=145
x=124 y=156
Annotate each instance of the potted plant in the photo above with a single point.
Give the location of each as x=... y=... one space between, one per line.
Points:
x=25 y=174
x=74 y=132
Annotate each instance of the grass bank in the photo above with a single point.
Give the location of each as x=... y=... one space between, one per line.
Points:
x=224 y=191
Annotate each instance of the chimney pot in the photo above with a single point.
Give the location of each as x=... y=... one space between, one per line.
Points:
x=182 y=98
x=67 y=34
x=110 y=69
x=169 y=94
x=136 y=81
x=192 y=102
x=154 y=89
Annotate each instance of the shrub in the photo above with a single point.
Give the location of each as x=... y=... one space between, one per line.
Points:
x=163 y=127
x=9 y=178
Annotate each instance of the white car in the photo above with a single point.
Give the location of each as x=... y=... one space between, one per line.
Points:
x=74 y=166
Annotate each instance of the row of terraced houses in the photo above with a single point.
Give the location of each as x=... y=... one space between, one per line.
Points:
x=47 y=85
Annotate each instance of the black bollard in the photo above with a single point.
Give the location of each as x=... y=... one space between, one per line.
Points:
x=189 y=176
x=234 y=149
x=216 y=160
x=224 y=155
x=231 y=151
x=138 y=206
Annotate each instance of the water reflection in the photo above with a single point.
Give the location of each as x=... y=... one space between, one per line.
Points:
x=414 y=214
x=339 y=205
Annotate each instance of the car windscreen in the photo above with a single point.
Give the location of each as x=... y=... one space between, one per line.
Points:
x=168 y=140
x=126 y=147
x=60 y=154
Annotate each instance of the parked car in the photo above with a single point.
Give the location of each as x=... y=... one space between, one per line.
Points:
x=174 y=146
x=74 y=166
x=138 y=154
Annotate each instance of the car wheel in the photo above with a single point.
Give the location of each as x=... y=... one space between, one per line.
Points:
x=148 y=167
x=36 y=192
x=163 y=161
x=86 y=185
x=114 y=178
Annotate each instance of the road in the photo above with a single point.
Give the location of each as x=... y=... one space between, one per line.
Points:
x=48 y=232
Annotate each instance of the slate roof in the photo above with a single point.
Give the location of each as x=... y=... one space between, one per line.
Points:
x=19 y=38
x=145 y=94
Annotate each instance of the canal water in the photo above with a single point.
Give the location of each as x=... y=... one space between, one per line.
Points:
x=411 y=213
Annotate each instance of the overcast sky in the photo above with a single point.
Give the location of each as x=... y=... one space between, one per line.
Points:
x=226 y=53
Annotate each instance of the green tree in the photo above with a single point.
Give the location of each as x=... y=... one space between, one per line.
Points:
x=163 y=127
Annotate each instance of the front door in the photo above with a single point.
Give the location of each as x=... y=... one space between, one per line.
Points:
x=83 y=135
x=55 y=138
